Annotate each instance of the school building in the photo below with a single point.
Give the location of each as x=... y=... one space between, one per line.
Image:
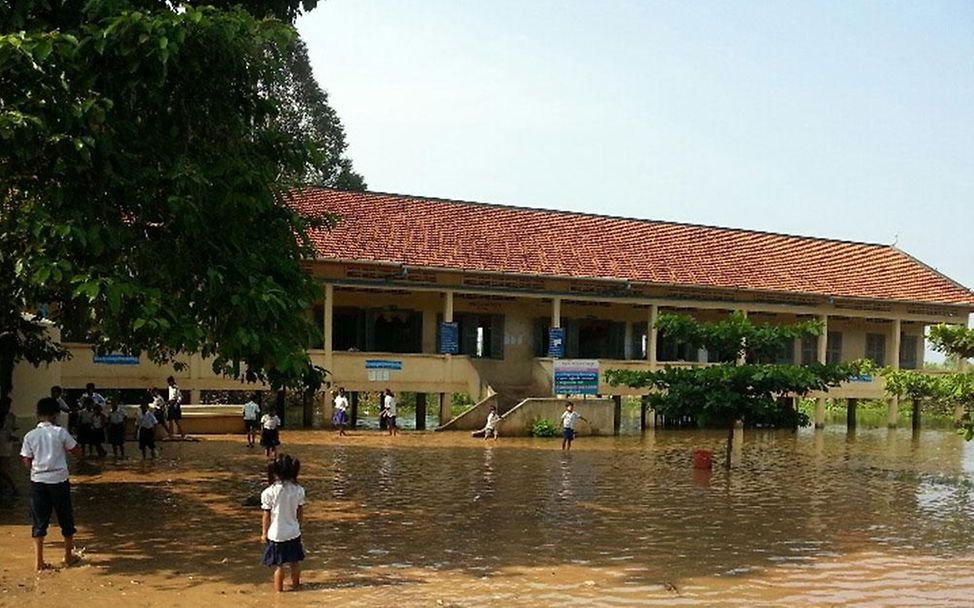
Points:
x=436 y=297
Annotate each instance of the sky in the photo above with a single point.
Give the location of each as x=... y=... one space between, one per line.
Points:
x=849 y=120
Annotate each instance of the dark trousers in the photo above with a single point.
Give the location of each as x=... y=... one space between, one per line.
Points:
x=47 y=497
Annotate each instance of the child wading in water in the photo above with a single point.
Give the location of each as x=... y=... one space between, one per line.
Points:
x=283 y=506
x=45 y=452
x=270 y=436
x=568 y=420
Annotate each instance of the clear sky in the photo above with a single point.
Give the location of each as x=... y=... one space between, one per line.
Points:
x=852 y=120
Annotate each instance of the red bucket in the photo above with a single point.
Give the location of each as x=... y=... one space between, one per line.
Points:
x=703 y=459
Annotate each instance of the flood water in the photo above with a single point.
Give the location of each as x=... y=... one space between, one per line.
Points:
x=880 y=518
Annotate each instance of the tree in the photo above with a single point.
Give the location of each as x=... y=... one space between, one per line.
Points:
x=738 y=389
x=147 y=154
x=917 y=386
x=953 y=340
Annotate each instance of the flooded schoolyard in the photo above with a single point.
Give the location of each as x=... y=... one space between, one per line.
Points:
x=878 y=518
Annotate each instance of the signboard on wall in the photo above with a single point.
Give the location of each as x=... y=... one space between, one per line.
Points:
x=116 y=359
x=556 y=342
x=449 y=338
x=576 y=377
x=378 y=369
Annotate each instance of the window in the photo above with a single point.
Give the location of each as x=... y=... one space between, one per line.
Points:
x=481 y=335
x=833 y=348
x=909 y=345
x=809 y=350
x=876 y=348
x=786 y=355
x=668 y=349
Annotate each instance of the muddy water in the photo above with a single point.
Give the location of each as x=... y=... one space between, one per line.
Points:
x=807 y=519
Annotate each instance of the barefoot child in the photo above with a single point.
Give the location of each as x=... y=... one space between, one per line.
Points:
x=145 y=430
x=98 y=423
x=116 y=430
x=44 y=452
x=340 y=419
x=270 y=436
x=251 y=413
x=568 y=419
x=283 y=506
x=490 y=429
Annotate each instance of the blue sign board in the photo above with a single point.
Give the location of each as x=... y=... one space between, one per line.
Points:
x=383 y=364
x=556 y=342
x=449 y=338
x=861 y=378
x=116 y=359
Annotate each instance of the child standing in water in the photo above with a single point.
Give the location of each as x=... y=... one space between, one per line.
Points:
x=568 y=419
x=145 y=429
x=270 y=436
x=116 y=430
x=283 y=506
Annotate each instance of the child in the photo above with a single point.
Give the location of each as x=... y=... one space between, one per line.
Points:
x=250 y=413
x=145 y=429
x=44 y=453
x=158 y=407
x=8 y=424
x=283 y=506
x=98 y=423
x=340 y=418
x=116 y=431
x=490 y=429
x=389 y=408
x=568 y=420
x=270 y=435
x=84 y=424
x=174 y=411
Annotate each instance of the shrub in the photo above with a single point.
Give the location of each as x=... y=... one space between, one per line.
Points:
x=544 y=428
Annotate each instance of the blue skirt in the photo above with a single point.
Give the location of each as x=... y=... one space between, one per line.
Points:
x=339 y=418
x=287 y=552
x=270 y=438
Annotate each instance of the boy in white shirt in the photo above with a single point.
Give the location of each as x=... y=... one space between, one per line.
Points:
x=389 y=406
x=340 y=419
x=568 y=419
x=490 y=429
x=251 y=413
x=174 y=411
x=44 y=452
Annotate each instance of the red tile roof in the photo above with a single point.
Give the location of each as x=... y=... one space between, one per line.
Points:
x=457 y=235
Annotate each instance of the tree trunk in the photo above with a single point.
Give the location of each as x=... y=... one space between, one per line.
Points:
x=8 y=354
x=730 y=444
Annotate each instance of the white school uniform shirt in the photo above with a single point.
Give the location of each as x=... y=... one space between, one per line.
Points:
x=492 y=419
x=158 y=403
x=282 y=499
x=47 y=447
x=117 y=417
x=175 y=394
x=96 y=398
x=390 y=405
x=568 y=419
x=250 y=411
x=270 y=422
x=97 y=421
x=341 y=403
x=146 y=420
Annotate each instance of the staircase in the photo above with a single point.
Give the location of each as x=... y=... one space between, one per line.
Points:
x=505 y=397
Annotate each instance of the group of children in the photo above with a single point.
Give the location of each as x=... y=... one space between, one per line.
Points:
x=269 y=425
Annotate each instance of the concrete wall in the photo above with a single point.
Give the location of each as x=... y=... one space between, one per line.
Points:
x=474 y=419
x=600 y=414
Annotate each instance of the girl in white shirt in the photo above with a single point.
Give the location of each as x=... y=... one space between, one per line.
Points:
x=340 y=419
x=270 y=436
x=283 y=506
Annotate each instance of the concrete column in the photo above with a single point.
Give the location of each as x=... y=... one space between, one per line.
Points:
x=328 y=329
x=651 y=336
x=850 y=414
x=820 y=413
x=195 y=396
x=643 y=407
x=616 y=413
x=823 y=339
x=893 y=354
x=628 y=346
x=420 y=411
x=448 y=306
x=916 y=414
x=446 y=409
x=555 y=312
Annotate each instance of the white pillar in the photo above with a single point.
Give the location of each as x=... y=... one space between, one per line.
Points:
x=893 y=353
x=448 y=307
x=627 y=345
x=555 y=312
x=822 y=355
x=328 y=328
x=651 y=336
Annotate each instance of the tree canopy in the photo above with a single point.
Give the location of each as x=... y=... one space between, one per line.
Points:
x=147 y=154
x=954 y=340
